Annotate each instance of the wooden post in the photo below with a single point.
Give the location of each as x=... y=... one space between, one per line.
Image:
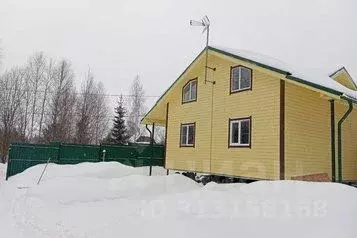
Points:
x=152 y=146
x=166 y=129
x=103 y=158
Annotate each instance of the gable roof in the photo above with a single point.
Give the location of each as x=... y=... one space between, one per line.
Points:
x=312 y=78
x=317 y=80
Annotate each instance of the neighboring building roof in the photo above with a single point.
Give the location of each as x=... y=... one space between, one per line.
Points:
x=343 y=77
x=144 y=139
x=311 y=78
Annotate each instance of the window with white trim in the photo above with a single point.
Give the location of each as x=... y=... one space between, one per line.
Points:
x=187 y=137
x=189 y=91
x=239 y=132
x=241 y=78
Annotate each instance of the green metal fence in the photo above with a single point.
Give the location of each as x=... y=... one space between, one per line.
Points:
x=23 y=156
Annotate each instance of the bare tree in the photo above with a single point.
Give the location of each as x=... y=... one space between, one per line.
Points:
x=12 y=91
x=36 y=71
x=24 y=117
x=160 y=135
x=100 y=115
x=92 y=112
x=85 y=108
x=59 y=124
x=136 y=109
x=0 y=55
x=49 y=77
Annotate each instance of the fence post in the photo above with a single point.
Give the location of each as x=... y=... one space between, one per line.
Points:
x=8 y=164
x=59 y=153
x=152 y=146
x=103 y=158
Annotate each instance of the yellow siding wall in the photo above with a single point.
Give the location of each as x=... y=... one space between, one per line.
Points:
x=262 y=103
x=349 y=142
x=307 y=127
x=187 y=158
x=307 y=134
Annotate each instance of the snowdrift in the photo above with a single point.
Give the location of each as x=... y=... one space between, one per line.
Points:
x=113 y=200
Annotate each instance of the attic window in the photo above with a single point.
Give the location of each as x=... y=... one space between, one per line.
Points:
x=241 y=79
x=189 y=91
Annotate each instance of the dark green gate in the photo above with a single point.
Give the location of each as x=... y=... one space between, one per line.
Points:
x=23 y=156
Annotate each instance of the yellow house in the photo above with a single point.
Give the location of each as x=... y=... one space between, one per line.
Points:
x=250 y=116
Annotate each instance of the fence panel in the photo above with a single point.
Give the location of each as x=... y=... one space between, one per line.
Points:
x=74 y=154
x=151 y=155
x=124 y=154
x=23 y=156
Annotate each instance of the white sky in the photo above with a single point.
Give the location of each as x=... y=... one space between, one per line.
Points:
x=122 y=38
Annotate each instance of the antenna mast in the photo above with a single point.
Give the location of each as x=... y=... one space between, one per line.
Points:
x=205 y=22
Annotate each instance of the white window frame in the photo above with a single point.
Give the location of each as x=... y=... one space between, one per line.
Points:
x=186 y=144
x=189 y=84
x=239 y=121
x=240 y=79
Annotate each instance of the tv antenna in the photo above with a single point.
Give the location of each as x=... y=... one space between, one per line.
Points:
x=205 y=23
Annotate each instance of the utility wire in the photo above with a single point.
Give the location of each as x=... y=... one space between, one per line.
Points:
x=79 y=93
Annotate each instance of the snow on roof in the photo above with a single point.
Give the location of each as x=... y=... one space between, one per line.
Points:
x=311 y=76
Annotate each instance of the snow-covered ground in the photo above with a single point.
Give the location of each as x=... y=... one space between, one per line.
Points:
x=113 y=200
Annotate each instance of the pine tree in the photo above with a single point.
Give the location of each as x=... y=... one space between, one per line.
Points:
x=119 y=133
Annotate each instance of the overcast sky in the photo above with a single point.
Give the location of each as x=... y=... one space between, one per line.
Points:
x=121 y=38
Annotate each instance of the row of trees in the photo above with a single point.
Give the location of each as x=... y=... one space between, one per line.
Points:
x=39 y=103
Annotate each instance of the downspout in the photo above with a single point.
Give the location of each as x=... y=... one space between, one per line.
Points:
x=211 y=128
x=151 y=145
x=339 y=132
x=333 y=141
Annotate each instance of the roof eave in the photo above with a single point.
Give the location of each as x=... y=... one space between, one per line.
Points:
x=167 y=90
x=349 y=98
x=250 y=61
x=313 y=85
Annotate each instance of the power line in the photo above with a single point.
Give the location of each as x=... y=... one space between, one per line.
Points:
x=79 y=93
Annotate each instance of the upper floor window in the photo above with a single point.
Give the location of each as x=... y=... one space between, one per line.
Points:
x=241 y=79
x=189 y=91
x=239 y=132
x=187 y=135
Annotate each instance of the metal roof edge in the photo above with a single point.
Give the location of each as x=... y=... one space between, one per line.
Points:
x=314 y=85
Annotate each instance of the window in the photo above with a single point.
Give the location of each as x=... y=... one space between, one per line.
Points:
x=241 y=79
x=187 y=138
x=239 y=132
x=189 y=91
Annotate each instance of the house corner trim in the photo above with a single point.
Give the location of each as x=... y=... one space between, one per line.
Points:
x=166 y=129
x=282 y=131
